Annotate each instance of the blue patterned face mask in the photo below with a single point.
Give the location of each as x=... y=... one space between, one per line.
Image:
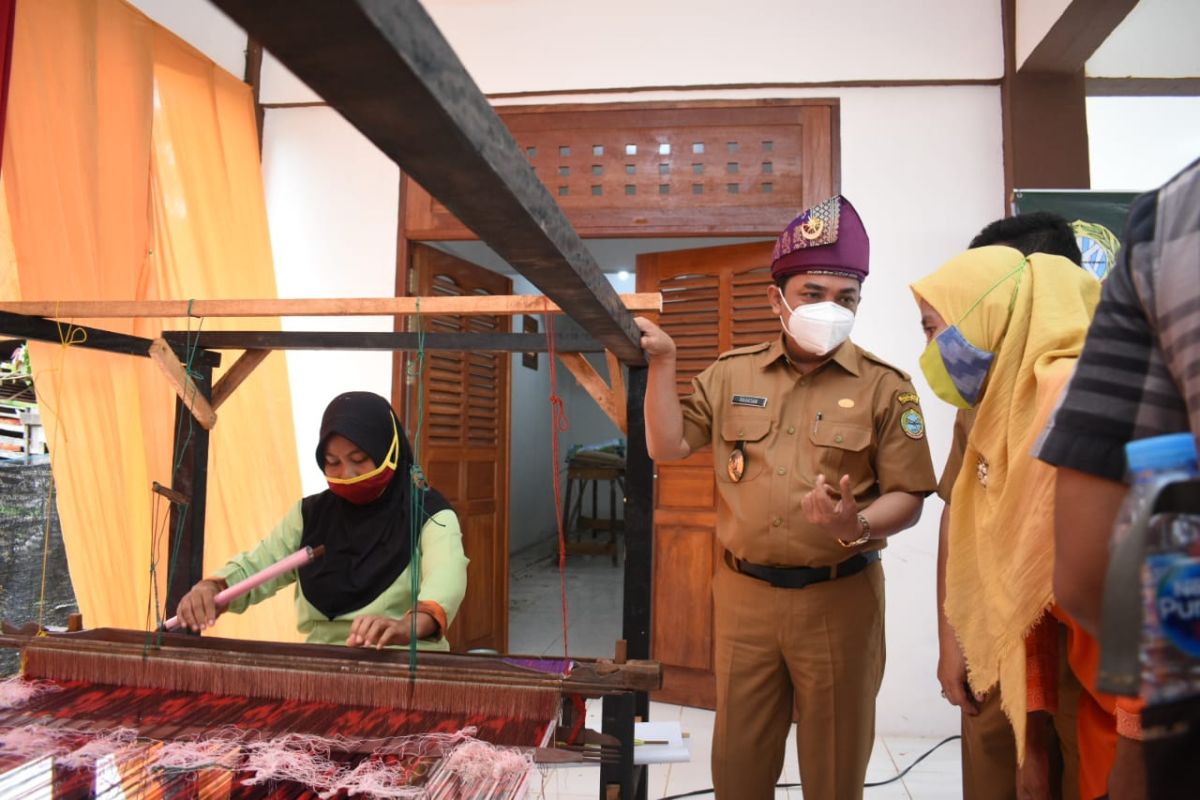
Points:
x=955 y=368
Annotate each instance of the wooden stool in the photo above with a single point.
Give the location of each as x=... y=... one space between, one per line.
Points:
x=580 y=476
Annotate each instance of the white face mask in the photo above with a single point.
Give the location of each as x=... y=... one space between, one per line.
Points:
x=818 y=327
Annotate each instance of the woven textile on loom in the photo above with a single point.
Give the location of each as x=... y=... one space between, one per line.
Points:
x=160 y=735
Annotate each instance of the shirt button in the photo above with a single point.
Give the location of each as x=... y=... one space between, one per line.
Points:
x=777 y=522
x=741 y=434
x=837 y=438
x=791 y=428
x=782 y=471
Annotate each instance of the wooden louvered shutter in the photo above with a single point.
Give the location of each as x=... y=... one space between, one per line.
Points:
x=464 y=442
x=714 y=299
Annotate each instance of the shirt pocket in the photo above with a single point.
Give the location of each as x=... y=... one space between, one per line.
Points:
x=752 y=433
x=842 y=448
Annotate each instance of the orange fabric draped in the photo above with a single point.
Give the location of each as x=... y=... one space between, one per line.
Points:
x=131 y=172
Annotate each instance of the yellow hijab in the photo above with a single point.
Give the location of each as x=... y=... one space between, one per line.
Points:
x=1033 y=314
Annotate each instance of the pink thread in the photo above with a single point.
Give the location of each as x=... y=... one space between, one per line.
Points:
x=108 y=744
x=18 y=691
x=375 y=778
x=295 y=757
x=222 y=749
x=478 y=761
x=29 y=741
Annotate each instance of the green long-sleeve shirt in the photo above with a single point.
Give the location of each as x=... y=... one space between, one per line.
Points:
x=443 y=579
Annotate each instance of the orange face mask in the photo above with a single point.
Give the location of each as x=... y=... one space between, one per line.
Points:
x=367 y=488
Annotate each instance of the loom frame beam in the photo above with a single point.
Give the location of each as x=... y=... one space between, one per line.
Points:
x=386 y=68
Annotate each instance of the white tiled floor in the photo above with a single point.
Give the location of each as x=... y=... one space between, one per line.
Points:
x=938 y=777
x=594 y=603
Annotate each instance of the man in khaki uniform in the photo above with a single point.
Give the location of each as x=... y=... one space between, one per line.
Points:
x=820 y=454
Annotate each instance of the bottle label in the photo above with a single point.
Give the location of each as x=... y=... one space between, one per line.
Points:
x=1177 y=600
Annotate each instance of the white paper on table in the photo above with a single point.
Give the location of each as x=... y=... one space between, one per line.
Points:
x=676 y=748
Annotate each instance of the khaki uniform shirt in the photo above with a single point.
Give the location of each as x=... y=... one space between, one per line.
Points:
x=854 y=414
x=964 y=420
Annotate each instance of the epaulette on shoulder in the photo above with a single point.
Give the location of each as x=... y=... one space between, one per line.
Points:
x=872 y=357
x=744 y=351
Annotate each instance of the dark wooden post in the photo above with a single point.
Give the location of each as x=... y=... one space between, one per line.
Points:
x=622 y=710
x=185 y=555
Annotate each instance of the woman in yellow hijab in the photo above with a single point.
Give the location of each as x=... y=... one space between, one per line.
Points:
x=1004 y=333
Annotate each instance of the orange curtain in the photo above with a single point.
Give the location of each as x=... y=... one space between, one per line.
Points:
x=210 y=233
x=131 y=172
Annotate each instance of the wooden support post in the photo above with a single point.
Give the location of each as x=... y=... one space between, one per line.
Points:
x=639 y=542
x=616 y=379
x=197 y=403
x=590 y=380
x=186 y=542
x=623 y=780
x=232 y=379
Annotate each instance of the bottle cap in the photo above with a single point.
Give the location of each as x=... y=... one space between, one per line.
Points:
x=1161 y=452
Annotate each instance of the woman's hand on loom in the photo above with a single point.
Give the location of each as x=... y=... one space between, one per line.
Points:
x=198 y=608
x=373 y=630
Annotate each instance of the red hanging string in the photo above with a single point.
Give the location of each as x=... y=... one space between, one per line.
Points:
x=558 y=424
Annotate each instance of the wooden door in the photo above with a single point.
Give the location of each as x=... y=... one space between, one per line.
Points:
x=463 y=433
x=714 y=299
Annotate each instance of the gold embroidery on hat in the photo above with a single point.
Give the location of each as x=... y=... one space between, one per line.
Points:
x=812 y=229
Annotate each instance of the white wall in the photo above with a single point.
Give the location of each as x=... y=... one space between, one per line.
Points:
x=203 y=26
x=1156 y=40
x=574 y=44
x=1034 y=19
x=1137 y=143
x=332 y=204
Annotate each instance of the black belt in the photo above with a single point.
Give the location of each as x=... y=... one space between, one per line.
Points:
x=799 y=577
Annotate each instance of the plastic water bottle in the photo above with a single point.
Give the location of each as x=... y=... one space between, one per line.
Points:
x=1170 y=645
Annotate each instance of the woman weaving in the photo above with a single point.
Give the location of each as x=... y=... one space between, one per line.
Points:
x=361 y=592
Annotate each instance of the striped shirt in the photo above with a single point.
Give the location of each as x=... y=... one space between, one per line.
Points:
x=1139 y=374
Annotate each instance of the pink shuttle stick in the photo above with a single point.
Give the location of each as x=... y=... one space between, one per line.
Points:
x=295 y=561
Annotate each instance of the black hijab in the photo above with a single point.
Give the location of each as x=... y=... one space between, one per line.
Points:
x=368 y=546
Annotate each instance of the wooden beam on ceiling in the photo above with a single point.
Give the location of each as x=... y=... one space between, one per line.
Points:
x=485 y=305
x=1143 y=87
x=388 y=70
x=1080 y=29
x=1044 y=115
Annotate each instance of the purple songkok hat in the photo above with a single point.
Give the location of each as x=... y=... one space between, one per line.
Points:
x=828 y=239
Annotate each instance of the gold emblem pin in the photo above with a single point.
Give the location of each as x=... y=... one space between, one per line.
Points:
x=812 y=229
x=846 y=402
x=737 y=463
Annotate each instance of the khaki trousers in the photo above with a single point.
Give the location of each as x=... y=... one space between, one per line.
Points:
x=816 y=653
x=989 y=752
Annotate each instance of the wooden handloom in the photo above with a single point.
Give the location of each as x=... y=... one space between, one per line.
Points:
x=179 y=688
x=511 y=702
x=408 y=93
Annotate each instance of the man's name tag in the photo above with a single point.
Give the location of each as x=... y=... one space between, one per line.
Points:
x=749 y=400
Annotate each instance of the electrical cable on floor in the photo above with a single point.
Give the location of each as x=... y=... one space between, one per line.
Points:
x=898 y=776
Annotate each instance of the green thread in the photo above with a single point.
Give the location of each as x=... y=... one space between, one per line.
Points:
x=419 y=486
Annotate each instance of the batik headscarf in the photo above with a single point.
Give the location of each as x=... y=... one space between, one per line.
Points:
x=1030 y=315
x=367 y=546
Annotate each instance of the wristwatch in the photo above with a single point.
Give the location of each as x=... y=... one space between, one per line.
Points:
x=865 y=536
